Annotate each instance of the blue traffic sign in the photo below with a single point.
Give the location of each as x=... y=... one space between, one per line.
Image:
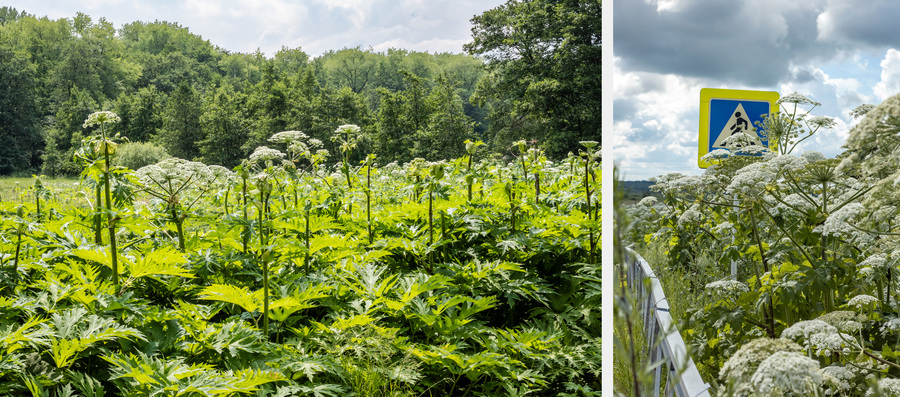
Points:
x=724 y=113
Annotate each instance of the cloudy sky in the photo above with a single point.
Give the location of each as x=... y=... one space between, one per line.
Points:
x=315 y=26
x=841 y=53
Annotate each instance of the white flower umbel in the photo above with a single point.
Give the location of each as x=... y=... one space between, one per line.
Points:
x=802 y=330
x=844 y=320
x=812 y=156
x=863 y=302
x=98 y=118
x=263 y=153
x=648 y=201
x=750 y=181
x=861 y=110
x=744 y=362
x=787 y=372
x=885 y=387
x=727 y=287
x=690 y=217
x=724 y=229
x=716 y=155
x=891 y=326
x=838 y=223
x=821 y=122
x=875 y=262
x=798 y=99
x=288 y=137
x=828 y=343
x=838 y=378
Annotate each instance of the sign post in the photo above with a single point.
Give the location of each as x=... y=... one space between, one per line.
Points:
x=724 y=113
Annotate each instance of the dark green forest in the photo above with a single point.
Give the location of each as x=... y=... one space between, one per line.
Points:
x=531 y=71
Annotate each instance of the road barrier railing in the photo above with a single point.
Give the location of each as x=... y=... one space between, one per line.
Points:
x=663 y=340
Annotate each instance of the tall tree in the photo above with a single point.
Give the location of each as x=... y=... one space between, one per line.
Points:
x=544 y=56
x=21 y=143
x=65 y=134
x=224 y=127
x=181 y=132
x=448 y=127
x=140 y=113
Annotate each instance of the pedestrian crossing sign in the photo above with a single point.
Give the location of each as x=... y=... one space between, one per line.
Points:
x=724 y=113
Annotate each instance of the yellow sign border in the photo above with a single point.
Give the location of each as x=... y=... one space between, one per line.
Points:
x=707 y=94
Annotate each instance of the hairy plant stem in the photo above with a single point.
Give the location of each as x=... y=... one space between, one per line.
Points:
x=179 y=227
x=246 y=235
x=430 y=228
x=111 y=223
x=369 y=201
x=587 y=194
x=19 y=231
x=264 y=257
x=98 y=216
x=769 y=316
x=306 y=260
x=469 y=179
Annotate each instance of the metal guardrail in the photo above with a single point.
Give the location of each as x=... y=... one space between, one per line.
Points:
x=663 y=340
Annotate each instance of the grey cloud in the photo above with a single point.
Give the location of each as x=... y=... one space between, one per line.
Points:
x=723 y=40
x=869 y=23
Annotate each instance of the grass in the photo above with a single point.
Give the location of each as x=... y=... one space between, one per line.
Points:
x=21 y=190
x=684 y=290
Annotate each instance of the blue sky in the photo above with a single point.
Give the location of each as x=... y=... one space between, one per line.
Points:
x=834 y=51
x=314 y=25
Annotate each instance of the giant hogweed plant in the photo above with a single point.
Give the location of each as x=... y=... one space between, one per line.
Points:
x=479 y=312
x=815 y=242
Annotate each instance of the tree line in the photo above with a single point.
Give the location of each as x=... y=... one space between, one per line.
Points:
x=197 y=101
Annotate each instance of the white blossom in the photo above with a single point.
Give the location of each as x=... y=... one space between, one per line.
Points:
x=822 y=122
x=744 y=362
x=862 y=301
x=263 y=153
x=727 y=287
x=838 y=223
x=887 y=387
x=802 y=330
x=288 y=137
x=101 y=117
x=796 y=98
x=648 y=201
x=787 y=372
x=812 y=156
x=828 y=343
x=840 y=378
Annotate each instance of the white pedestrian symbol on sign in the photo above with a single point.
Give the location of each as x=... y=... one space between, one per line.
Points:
x=737 y=124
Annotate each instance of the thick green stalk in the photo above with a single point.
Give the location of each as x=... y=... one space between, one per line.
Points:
x=265 y=264
x=369 y=201
x=469 y=178
x=179 y=227
x=109 y=218
x=306 y=261
x=98 y=217
x=587 y=191
x=430 y=227
x=770 y=313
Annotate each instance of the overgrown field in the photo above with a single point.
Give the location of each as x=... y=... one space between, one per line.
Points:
x=813 y=308
x=287 y=277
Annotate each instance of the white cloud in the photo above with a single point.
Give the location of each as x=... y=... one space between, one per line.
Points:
x=890 y=75
x=316 y=25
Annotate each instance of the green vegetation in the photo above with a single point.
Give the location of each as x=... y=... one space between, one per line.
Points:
x=426 y=292
x=203 y=103
x=814 y=306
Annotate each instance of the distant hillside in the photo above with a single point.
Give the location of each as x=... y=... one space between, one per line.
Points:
x=636 y=190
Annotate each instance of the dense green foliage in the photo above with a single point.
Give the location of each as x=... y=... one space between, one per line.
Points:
x=544 y=63
x=286 y=278
x=814 y=306
x=202 y=102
